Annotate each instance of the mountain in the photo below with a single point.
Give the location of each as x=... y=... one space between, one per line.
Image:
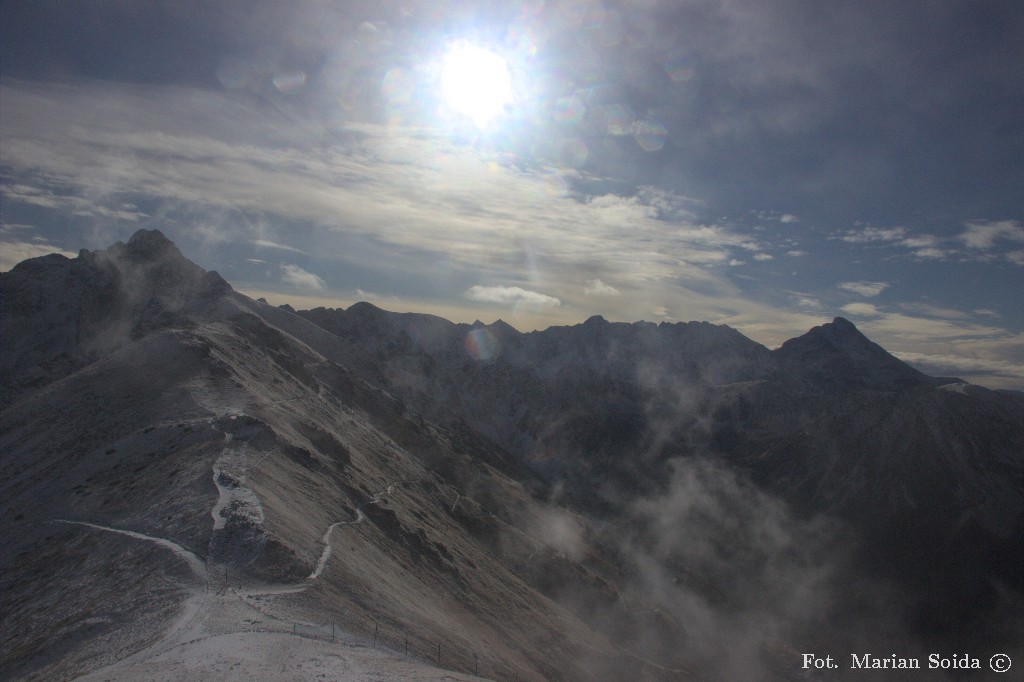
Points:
x=837 y=355
x=189 y=478
x=60 y=314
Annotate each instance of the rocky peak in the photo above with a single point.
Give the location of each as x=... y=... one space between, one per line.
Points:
x=838 y=355
x=152 y=260
x=152 y=244
x=62 y=313
x=364 y=309
x=502 y=328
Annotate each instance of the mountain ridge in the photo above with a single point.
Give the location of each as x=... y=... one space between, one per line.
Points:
x=593 y=489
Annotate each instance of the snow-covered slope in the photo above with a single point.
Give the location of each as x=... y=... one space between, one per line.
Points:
x=226 y=440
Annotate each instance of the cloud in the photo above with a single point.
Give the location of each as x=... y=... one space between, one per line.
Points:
x=745 y=571
x=415 y=192
x=980 y=237
x=804 y=300
x=874 y=234
x=868 y=289
x=861 y=309
x=788 y=218
x=364 y=295
x=274 y=245
x=47 y=197
x=984 y=235
x=514 y=295
x=222 y=169
x=913 y=329
x=934 y=311
x=924 y=246
x=299 y=278
x=763 y=256
x=958 y=365
x=931 y=254
x=945 y=346
x=662 y=312
x=596 y=287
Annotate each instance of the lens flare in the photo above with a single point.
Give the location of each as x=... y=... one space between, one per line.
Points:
x=476 y=83
x=481 y=344
x=618 y=119
x=650 y=135
x=569 y=110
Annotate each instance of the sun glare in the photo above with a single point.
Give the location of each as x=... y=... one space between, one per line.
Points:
x=476 y=83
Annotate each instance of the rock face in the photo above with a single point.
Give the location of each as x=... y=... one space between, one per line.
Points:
x=604 y=501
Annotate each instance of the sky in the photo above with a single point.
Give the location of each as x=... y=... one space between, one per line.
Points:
x=766 y=165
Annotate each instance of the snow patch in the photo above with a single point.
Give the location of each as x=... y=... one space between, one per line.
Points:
x=234 y=498
x=322 y=563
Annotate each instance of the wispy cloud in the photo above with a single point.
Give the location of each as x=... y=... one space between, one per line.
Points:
x=937 y=341
x=995 y=371
x=596 y=287
x=863 y=235
x=984 y=235
x=266 y=243
x=861 y=309
x=12 y=253
x=299 y=278
x=935 y=311
x=983 y=241
x=922 y=246
x=805 y=300
x=511 y=295
x=46 y=197
x=451 y=214
x=868 y=289
x=364 y=295
x=414 y=191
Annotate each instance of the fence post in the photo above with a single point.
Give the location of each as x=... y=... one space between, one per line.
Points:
x=407 y=645
x=438 y=654
x=376 y=629
x=476 y=665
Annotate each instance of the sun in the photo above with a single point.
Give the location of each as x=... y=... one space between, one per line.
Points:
x=476 y=83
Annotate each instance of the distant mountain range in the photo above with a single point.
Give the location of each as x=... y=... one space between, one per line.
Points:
x=604 y=500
